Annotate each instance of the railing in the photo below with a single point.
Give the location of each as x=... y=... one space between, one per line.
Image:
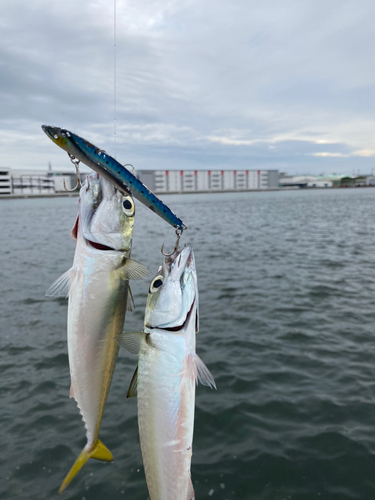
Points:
x=32 y=184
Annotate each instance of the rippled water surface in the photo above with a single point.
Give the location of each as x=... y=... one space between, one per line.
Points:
x=287 y=288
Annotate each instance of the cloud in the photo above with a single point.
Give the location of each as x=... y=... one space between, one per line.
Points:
x=204 y=84
x=326 y=154
x=366 y=153
x=292 y=136
x=227 y=141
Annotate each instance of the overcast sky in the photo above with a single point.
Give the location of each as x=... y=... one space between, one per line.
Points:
x=285 y=84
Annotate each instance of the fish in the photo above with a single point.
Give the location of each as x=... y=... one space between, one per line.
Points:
x=165 y=378
x=97 y=287
x=112 y=170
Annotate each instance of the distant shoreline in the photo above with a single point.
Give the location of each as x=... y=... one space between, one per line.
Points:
x=39 y=195
x=163 y=193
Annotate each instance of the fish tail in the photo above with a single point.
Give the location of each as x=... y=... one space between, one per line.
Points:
x=99 y=452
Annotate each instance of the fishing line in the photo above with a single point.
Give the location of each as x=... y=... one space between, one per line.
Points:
x=114 y=77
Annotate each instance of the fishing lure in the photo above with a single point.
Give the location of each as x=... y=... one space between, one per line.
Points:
x=97 y=159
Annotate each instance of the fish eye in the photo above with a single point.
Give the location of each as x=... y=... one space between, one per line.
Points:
x=156 y=283
x=128 y=206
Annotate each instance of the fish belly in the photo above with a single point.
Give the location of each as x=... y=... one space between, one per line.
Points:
x=96 y=315
x=166 y=398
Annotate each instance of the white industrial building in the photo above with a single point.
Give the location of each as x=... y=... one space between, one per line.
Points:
x=177 y=181
x=34 y=182
x=25 y=182
x=39 y=182
x=5 y=181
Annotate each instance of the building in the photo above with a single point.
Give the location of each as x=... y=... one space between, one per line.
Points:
x=28 y=182
x=321 y=182
x=177 y=181
x=36 y=182
x=5 y=181
x=31 y=182
x=325 y=181
x=296 y=181
x=348 y=180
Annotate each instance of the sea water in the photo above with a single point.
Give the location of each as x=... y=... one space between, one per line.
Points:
x=287 y=292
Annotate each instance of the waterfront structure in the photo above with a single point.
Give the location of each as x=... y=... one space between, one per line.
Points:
x=335 y=180
x=296 y=181
x=44 y=182
x=25 y=182
x=28 y=182
x=322 y=182
x=341 y=181
x=35 y=182
x=178 y=181
x=326 y=181
x=5 y=181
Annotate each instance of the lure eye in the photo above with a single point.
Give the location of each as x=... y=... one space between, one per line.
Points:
x=128 y=206
x=156 y=283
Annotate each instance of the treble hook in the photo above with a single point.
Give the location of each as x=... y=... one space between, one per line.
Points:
x=75 y=162
x=178 y=233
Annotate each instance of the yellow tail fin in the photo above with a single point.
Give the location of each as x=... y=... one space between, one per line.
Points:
x=100 y=452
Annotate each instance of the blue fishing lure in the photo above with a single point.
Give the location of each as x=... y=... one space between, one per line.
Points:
x=110 y=168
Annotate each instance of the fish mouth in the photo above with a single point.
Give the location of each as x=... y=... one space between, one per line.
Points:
x=179 y=261
x=177 y=328
x=104 y=248
x=99 y=246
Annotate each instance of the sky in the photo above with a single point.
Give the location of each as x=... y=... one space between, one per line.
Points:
x=200 y=84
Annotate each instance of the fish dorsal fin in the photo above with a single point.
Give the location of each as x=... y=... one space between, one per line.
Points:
x=130 y=306
x=132 y=391
x=133 y=270
x=203 y=374
x=61 y=287
x=131 y=342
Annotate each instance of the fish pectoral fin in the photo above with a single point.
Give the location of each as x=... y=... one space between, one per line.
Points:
x=61 y=287
x=131 y=342
x=203 y=374
x=130 y=306
x=100 y=452
x=133 y=270
x=132 y=391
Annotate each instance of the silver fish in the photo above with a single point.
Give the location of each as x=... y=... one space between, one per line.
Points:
x=167 y=373
x=97 y=286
